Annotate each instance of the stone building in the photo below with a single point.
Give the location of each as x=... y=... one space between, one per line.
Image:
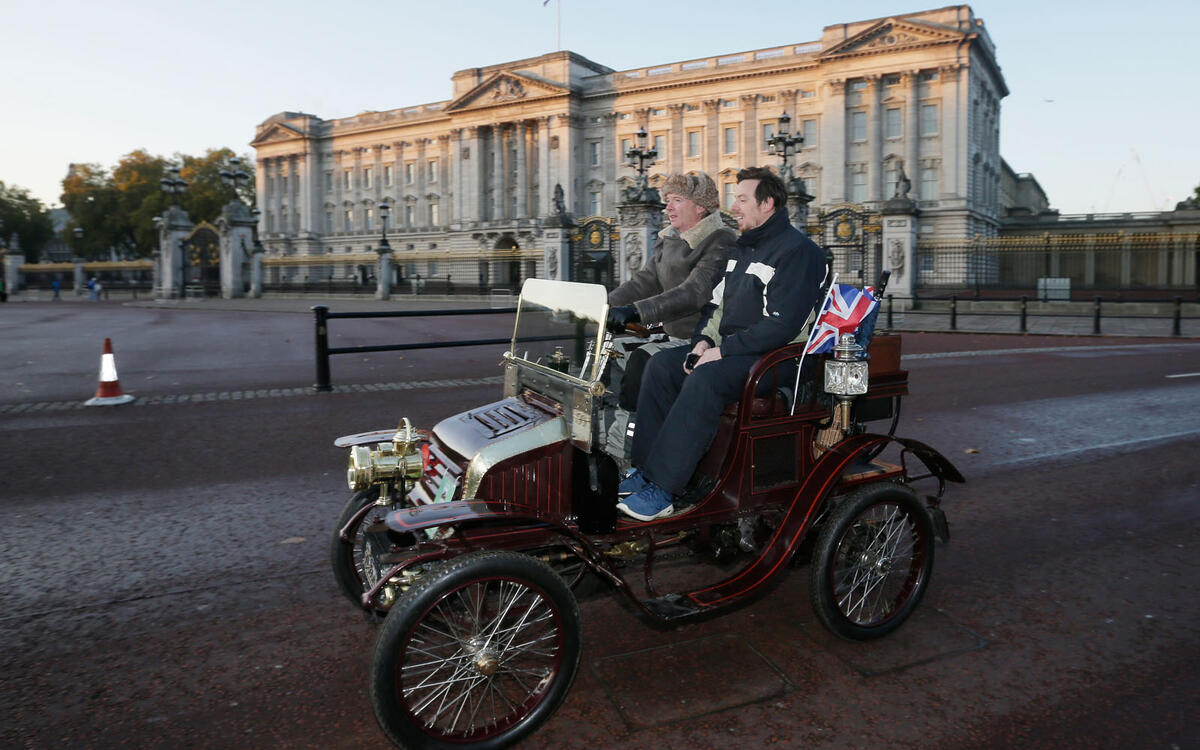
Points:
x=913 y=96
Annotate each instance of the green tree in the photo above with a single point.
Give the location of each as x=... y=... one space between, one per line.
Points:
x=26 y=217
x=117 y=211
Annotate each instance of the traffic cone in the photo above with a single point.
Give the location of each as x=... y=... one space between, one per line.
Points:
x=108 y=393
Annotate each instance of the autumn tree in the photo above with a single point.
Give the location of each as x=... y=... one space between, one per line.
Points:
x=25 y=217
x=117 y=211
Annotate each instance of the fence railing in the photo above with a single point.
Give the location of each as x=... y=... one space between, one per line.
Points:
x=322 y=315
x=947 y=311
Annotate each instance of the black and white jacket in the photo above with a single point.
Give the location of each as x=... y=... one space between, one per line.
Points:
x=766 y=298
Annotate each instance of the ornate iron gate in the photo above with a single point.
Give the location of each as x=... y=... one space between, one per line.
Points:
x=855 y=239
x=593 y=251
x=202 y=260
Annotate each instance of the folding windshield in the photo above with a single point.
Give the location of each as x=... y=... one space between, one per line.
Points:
x=558 y=323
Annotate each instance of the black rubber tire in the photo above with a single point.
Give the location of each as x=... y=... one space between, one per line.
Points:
x=341 y=553
x=449 y=615
x=872 y=562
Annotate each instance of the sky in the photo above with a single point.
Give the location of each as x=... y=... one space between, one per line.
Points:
x=1103 y=110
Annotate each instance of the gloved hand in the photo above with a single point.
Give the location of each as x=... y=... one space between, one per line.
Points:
x=618 y=317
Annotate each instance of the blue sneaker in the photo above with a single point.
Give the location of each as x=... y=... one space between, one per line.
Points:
x=649 y=503
x=633 y=482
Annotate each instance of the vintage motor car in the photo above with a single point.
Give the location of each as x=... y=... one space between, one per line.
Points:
x=472 y=540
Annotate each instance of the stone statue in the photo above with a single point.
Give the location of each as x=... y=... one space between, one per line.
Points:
x=903 y=184
x=560 y=206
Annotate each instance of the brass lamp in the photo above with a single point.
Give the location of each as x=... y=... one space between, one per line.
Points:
x=845 y=378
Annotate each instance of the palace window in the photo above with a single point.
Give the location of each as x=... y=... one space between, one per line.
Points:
x=858 y=126
x=366 y=178
x=858 y=85
x=731 y=140
x=660 y=146
x=890 y=178
x=929 y=119
x=729 y=190
x=807 y=94
x=810 y=133
x=929 y=183
x=368 y=215
x=387 y=175
x=858 y=183
x=347 y=179
x=409 y=172
x=329 y=221
x=594 y=153
x=892 y=123
x=435 y=217
x=409 y=216
x=329 y=182
x=625 y=146
x=595 y=203
x=433 y=170
x=768 y=132
x=693 y=143
x=349 y=220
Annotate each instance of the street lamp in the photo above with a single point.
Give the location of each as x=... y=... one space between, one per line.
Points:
x=233 y=175
x=173 y=185
x=254 y=214
x=784 y=144
x=641 y=158
x=384 y=247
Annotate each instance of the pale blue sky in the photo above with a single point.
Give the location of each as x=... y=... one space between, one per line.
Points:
x=1103 y=110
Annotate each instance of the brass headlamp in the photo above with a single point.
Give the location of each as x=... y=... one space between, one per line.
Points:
x=401 y=459
x=845 y=378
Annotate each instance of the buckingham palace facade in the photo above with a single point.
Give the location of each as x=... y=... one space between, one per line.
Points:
x=916 y=95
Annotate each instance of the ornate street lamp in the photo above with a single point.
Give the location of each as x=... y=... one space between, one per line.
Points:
x=640 y=158
x=233 y=175
x=784 y=144
x=384 y=247
x=173 y=185
x=255 y=213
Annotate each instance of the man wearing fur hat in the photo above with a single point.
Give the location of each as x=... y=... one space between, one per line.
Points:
x=678 y=280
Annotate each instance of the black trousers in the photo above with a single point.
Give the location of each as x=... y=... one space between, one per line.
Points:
x=678 y=414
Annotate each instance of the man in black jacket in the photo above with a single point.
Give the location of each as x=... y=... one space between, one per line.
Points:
x=766 y=299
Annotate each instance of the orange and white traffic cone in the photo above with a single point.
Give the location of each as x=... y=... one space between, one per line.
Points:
x=108 y=393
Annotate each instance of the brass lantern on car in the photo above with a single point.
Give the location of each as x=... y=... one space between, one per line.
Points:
x=845 y=378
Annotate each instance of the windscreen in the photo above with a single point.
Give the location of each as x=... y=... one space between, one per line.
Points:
x=558 y=323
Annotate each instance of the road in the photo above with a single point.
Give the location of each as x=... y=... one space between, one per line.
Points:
x=165 y=576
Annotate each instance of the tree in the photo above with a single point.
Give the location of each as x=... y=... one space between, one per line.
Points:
x=116 y=212
x=26 y=217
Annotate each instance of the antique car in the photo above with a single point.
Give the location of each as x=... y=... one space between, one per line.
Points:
x=472 y=540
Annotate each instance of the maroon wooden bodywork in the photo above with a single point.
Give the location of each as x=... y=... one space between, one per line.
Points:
x=762 y=460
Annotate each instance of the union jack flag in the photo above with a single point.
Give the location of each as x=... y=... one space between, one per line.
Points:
x=844 y=309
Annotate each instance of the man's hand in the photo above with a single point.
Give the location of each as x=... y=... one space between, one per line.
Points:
x=619 y=316
x=696 y=356
x=712 y=354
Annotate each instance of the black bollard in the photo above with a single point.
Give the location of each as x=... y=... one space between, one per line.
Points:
x=1175 y=328
x=1024 y=306
x=953 y=312
x=1096 y=317
x=322 y=384
x=889 y=317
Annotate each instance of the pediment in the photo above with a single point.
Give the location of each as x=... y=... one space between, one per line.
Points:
x=276 y=133
x=505 y=88
x=892 y=34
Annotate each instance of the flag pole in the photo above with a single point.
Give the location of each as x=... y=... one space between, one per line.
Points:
x=808 y=343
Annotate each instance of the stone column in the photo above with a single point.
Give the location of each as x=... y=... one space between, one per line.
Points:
x=678 y=136
x=833 y=144
x=174 y=228
x=712 y=140
x=446 y=181
x=640 y=223
x=497 y=172
x=899 y=248
x=875 y=138
x=455 y=216
x=522 y=172
x=545 y=189
x=912 y=130
x=80 y=282
x=556 y=246
x=383 y=275
x=236 y=228
x=751 y=145
x=422 y=218
x=12 y=270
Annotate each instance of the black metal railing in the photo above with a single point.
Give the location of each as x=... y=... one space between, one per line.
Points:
x=947 y=308
x=324 y=351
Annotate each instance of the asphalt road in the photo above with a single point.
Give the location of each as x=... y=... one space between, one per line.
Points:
x=165 y=581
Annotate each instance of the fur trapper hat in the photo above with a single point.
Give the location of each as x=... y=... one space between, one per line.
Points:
x=696 y=187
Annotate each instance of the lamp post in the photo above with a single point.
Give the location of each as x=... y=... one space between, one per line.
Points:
x=173 y=185
x=784 y=144
x=233 y=175
x=384 y=208
x=640 y=158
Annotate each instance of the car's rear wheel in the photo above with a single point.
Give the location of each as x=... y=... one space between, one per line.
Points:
x=478 y=654
x=872 y=562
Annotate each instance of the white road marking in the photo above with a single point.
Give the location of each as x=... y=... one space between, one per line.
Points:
x=1185 y=375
